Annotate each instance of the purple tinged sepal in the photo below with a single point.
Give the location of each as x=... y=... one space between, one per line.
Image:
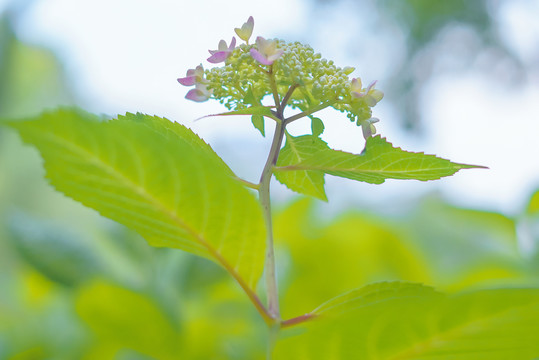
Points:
x=196 y=77
x=193 y=77
x=223 y=51
x=259 y=57
x=368 y=128
x=370 y=95
x=199 y=94
x=266 y=52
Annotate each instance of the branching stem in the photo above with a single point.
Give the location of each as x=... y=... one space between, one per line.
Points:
x=263 y=188
x=265 y=201
x=286 y=98
x=248 y=183
x=309 y=112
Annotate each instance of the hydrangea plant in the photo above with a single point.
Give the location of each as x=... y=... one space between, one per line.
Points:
x=160 y=179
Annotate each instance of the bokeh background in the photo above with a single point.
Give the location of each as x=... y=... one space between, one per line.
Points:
x=461 y=80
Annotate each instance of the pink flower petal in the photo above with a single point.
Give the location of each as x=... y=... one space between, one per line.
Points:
x=188 y=80
x=218 y=57
x=196 y=95
x=232 y=44
x=259 y=57
x=357 y=94
x=371 y=85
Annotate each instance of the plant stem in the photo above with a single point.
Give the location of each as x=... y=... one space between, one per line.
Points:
x=287 y=97
x=309 y=112
x=264 y=198
x=248 y=183
x=272 y=339
x=297 y=320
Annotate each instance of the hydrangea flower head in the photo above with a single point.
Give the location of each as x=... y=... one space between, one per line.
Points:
x=276 y=71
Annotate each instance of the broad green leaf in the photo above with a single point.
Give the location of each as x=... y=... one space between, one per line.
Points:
x=156 y=177
x=356 y=249
x=378 y=162
x=317 y=126
x=295 y=151
x=496 y=324
x=173 y=132
x=483 y=325
x=372 y=294
x=258 y=122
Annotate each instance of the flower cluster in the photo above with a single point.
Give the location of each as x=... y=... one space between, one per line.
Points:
x=275 y=67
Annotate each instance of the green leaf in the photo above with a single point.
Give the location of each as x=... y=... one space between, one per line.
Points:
x=156 y=177
x=295 y=151
x=491 y=324
x=253 y=110
x=357 y=248
x=533 y=205
x=258 y=122
x=372 y=294
x=378 y=162
x=483 y=325
x=317 y=126
x=250 y=97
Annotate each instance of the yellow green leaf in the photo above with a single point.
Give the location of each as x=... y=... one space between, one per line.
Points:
x=156 y=177
x=297 y=149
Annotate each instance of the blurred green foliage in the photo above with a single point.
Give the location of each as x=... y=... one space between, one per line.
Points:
x=424 y=19
x=167 y=304
x=32 y=78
